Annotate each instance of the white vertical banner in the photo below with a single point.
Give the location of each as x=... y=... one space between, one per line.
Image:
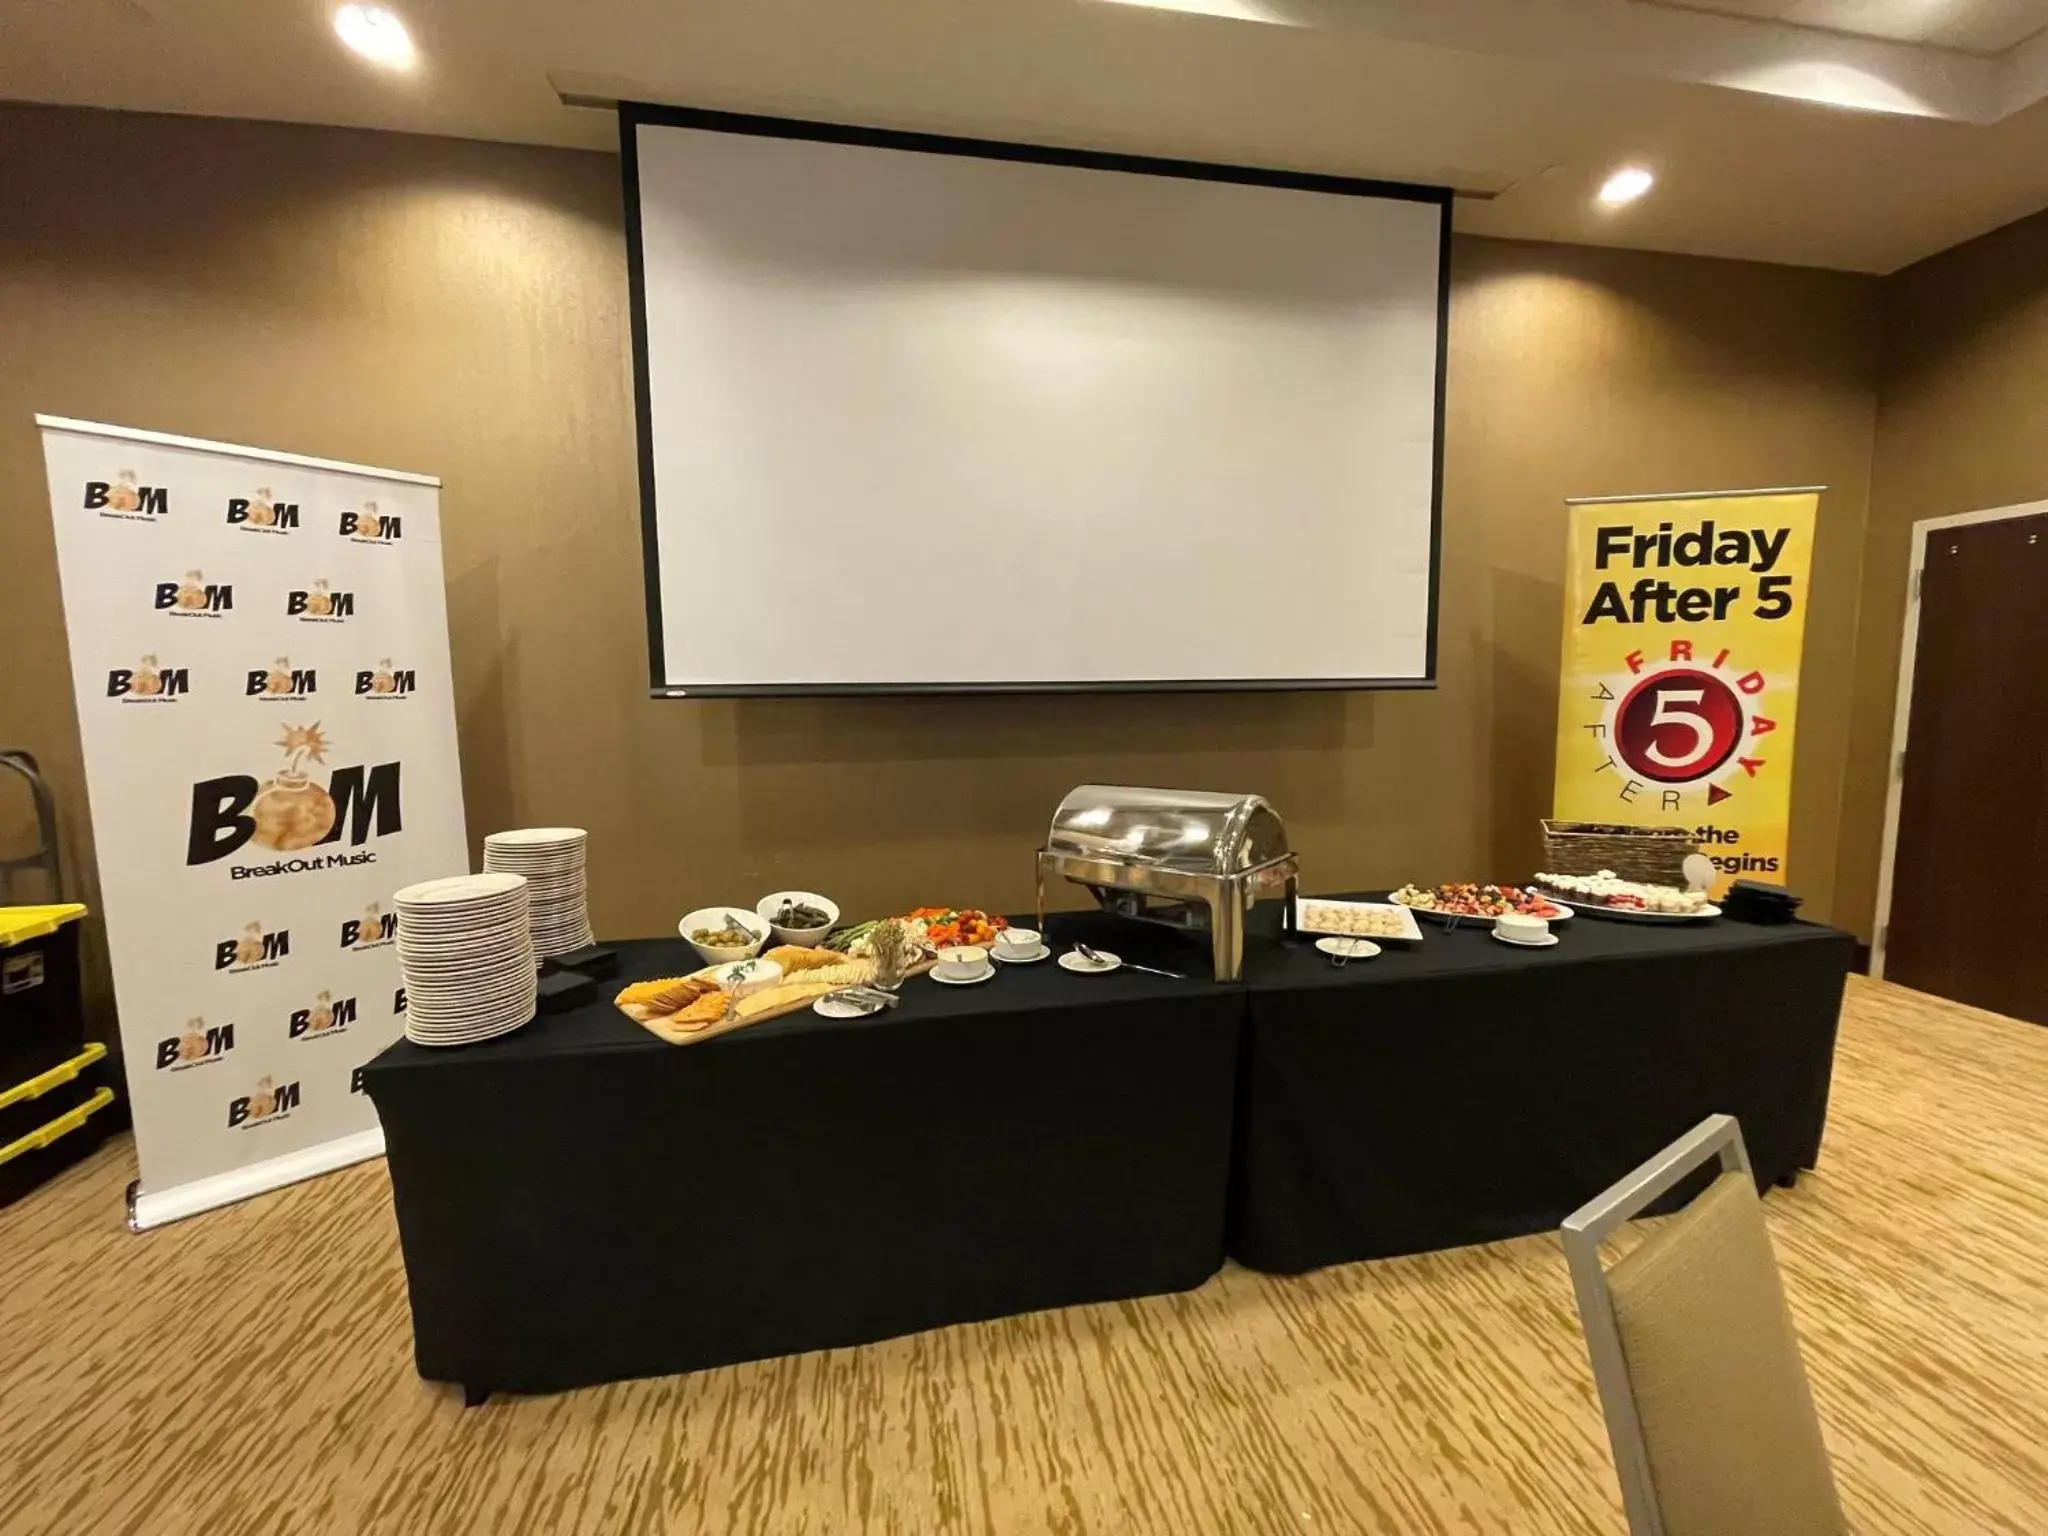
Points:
x=259 y=644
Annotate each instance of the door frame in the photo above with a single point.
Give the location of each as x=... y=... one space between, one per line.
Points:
x=1902 y=706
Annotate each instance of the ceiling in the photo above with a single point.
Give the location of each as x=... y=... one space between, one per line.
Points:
x=1527 y=104
x=1971 y=26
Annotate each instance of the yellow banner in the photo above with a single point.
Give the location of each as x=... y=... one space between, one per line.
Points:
x=1683 y=625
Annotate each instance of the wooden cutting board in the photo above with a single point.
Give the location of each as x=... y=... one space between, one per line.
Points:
x=790 y=995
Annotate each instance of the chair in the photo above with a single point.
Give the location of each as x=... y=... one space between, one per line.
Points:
x=1706 y=1401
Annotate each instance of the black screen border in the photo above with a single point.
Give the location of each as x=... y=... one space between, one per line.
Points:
x=632 y=114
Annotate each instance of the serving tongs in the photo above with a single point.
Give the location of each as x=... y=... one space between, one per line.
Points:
x=862 y=993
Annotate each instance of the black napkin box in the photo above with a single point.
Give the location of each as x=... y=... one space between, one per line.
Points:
x=1752 y=901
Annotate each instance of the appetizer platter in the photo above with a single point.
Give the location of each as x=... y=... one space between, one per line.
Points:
x=720 y=998
x=1460 y=899
x=1356 y=919
x=1608 y=895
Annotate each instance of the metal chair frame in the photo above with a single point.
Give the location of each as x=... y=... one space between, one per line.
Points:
x=1717 y=1137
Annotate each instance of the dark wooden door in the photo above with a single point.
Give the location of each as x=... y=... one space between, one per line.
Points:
x=1972 y=849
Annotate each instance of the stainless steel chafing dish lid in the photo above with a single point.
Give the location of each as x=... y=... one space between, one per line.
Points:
x=1192 y=831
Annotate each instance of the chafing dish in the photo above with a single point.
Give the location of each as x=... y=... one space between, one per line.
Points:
x=1187 y=859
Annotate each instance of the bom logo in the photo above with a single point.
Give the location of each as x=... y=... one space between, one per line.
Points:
x=148 y=682
x=255 y=950
x=195 y=597
x=201 y=1045
x=270 y=1103
x=122 y=497
x=386 y=681
x=281 y=682
x=317 y=605
x=259 y=514
x=367 y=526
x=327 y=1016
x=372 y=930
x=289 y=812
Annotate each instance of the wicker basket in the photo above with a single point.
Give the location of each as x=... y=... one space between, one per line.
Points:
x=1651 y=855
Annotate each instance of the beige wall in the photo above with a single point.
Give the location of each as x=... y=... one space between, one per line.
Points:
x=1962 y=425
x=459 y=308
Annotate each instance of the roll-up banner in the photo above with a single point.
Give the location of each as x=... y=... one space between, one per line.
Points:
x=1678 y=704
x=259 y=644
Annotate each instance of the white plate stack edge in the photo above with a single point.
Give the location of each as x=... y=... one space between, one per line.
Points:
x=467 y=958
x=552 y=860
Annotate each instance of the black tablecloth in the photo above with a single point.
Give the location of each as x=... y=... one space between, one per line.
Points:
x=580 y=1202
x=1461 y=1090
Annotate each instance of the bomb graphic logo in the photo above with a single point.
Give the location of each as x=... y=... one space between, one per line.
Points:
x=279 y=678
x=147 y=681
x=319 y=600
x=192 y=592
x=192 y=1043
x=290 y=810
x=122 y=495
x=383 y=680
x=262 y=511
x=249 y=948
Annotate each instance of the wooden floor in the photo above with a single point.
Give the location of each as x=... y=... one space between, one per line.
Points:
x=251 y=1371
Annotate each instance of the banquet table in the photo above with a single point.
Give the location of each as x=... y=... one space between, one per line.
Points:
x=1461 y=1090
x=580 y=1202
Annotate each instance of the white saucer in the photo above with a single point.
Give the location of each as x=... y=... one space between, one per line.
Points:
x=1349 y=947
x=995 y=953
x=844 y=1008
x=1543 y=943
x=960 y=981
x=1071 y=961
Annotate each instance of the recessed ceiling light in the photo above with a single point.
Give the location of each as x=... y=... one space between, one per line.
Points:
x=376 y=34
x=1625 y=186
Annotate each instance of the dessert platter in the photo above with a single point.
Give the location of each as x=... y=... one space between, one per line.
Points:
x=1463 y=899
x=1606 y=894
x=1356 y=919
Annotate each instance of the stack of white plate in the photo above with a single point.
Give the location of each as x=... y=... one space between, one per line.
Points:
x=551 y=858
x=470 y=970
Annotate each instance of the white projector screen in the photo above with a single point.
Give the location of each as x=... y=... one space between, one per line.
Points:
x=922 y=414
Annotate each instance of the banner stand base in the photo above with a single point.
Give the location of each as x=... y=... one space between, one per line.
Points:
x=146 y=1210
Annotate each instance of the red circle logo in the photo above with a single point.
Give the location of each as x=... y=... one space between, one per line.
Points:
x=1677 y=726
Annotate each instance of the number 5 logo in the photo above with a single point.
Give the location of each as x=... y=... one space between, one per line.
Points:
x=1677 y=726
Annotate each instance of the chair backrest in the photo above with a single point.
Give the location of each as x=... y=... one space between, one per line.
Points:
x=1693 y=1350
x=45 y=856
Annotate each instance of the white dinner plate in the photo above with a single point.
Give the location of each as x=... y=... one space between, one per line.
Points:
x=1625 y=915
x=995 y=952
x=1564 y=913
x=456 y=890
x=1543 y=943
x=1344 y=948
x=961 y=981
x=1100 y=966
x=837 y=1007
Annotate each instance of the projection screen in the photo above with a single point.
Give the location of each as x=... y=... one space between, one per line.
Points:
x=927 y=414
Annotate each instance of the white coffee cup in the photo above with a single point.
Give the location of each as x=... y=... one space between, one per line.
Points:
x=1521 y=928
x=963 y=962
x=1016 y=943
